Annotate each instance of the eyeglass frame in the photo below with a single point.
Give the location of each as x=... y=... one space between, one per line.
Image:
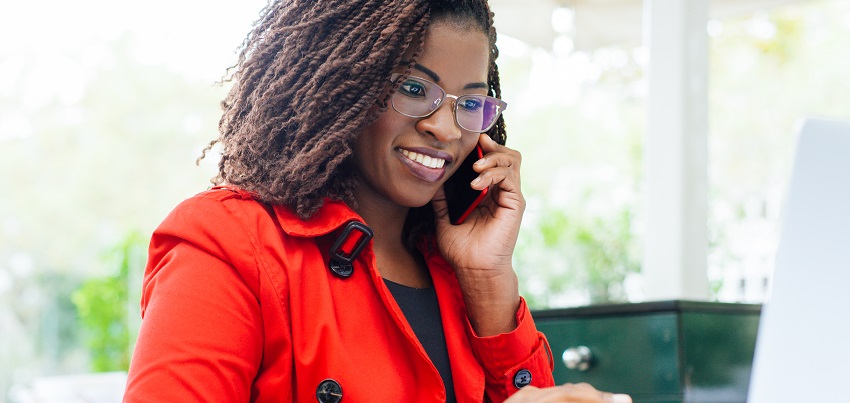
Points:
x=500 y=104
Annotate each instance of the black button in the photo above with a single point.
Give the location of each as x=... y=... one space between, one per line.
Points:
x=522 y=378
x=329 y=391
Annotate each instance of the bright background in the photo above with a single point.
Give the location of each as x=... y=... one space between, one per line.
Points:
x=104 y=106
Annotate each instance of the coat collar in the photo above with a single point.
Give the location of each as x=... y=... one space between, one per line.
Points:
x=331 y=216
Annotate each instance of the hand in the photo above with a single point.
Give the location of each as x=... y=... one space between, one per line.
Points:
x=487 y=237
x=481 y=249
x=575 y=393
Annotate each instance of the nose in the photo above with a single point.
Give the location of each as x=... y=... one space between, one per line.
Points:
x=441 y=124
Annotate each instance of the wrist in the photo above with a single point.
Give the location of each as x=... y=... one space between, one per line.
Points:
x=491 y=301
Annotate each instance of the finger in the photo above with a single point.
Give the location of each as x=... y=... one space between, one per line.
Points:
x=589 y=392
x=487 y=144
x=504 y=157
x=532 y=394
x=526 y=394
x=563 y=393
x=505 y=178
x=585 y=386
x=497 y=161
x=584 y=392
x=616 y=398
x=496 y=167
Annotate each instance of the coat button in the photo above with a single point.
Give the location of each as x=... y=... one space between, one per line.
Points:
x=329 y=391
x=522 y=378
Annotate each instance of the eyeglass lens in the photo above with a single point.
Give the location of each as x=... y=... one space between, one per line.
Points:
x=418 y=97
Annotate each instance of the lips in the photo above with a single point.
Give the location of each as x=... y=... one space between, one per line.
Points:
x=429 y=168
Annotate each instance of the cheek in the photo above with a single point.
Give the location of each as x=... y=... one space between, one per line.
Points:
x=382 y=133
x=385 y=123
x=375 y=139
x=470 y=140
x=370 y=135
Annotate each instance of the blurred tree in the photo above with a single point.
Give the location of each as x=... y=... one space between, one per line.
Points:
x=117 y=153
x=113 y=147
x=103 y=306
x=578 y=259
x=768 y=71
x=581 y=135
x=578 y=119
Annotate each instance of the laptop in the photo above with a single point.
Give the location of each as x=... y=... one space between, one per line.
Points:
x=803 y=343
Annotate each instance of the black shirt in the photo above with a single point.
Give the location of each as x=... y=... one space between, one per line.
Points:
x=422 y=311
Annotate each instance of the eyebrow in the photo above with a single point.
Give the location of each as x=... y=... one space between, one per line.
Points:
x=427 y=71
x=434 y=76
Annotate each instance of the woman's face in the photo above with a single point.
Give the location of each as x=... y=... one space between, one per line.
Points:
x=455 y=57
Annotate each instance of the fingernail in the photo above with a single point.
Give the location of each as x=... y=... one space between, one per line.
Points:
x=619 y=398
x=476 y=180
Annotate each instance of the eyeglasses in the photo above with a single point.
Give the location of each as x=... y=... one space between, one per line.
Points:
x=418 y=98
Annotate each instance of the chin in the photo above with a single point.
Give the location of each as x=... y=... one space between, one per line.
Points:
x=414 y=201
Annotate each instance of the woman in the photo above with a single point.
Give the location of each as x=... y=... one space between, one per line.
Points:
x=324 y=266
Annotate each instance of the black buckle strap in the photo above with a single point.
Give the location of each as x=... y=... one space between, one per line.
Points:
x=341 y=260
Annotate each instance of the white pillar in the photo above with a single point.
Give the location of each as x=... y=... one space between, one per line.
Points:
x=676 y=150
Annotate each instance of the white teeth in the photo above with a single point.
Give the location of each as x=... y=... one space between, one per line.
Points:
x=428 y=161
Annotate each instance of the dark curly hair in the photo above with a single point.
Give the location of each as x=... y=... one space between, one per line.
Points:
x=309 y=77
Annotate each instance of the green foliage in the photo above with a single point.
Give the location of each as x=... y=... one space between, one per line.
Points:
x=96 y=140
x=768 y=71
x=581 y=135
x=102 y=306
x=606 y=248
x=577 y=258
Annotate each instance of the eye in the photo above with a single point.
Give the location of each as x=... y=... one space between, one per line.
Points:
x=470 y=104
x=413 y=89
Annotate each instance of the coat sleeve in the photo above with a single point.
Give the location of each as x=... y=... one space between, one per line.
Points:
x=512 y=360
x=201 y=337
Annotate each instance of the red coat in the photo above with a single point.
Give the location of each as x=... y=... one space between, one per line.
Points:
x=237 y=308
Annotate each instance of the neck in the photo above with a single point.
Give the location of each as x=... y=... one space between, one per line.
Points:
x=385 y=219
x=395 y=262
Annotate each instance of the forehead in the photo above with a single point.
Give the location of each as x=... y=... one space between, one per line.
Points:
x=458 y=53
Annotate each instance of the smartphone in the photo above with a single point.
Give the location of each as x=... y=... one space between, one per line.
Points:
x=461 y=198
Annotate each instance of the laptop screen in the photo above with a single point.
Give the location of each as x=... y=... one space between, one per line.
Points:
x=803 y=344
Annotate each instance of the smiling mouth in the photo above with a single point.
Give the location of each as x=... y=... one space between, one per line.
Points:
x=425 y=160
